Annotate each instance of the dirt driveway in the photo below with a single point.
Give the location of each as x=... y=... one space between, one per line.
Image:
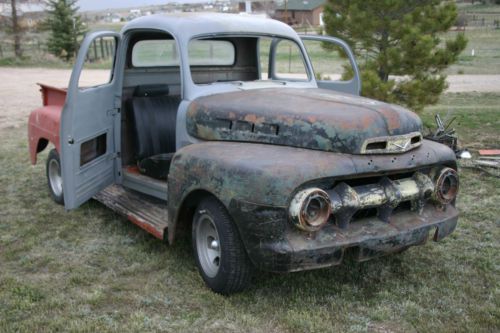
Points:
x=19 y=93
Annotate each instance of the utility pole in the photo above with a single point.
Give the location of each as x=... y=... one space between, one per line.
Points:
x=16 y=30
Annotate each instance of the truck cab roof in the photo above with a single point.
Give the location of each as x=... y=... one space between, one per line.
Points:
x=185 y=26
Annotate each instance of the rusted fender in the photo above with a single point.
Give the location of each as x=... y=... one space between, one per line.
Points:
x=269 y=175
x=43 y=127
x=307 y=118
x=43 y=123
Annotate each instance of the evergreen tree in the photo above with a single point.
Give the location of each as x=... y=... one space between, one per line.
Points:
x=402 y=38
x=66 y=27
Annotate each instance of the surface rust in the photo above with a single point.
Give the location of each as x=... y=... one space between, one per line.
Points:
x=307 y=118
x=44 y=122
x=280 y=247
x=270 y=175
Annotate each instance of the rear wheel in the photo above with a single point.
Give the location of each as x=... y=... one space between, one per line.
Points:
x=54 y=177
x=219 y=252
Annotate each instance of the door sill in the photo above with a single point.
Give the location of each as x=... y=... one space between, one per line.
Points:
x=136 y=181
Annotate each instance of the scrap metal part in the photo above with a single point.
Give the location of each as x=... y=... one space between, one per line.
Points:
x=444 y=134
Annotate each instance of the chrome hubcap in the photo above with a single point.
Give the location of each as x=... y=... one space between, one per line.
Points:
x=207 y=245
x=55 y=178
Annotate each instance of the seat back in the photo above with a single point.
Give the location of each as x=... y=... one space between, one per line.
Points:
x=154 y=115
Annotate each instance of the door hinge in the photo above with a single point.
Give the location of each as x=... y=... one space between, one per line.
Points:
x=115 y=155
x=113 y=112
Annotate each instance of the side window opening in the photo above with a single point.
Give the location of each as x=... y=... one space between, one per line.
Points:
x=289 y=61
x=330 y=61
x=99 y=62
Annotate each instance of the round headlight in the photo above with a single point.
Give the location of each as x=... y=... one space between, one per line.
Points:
x=310 y=209
x=446 y=185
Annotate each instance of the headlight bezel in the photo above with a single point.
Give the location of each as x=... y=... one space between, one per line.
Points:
x=310 y=209
x=447 y=185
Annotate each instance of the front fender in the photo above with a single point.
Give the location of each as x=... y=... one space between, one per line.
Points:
x=268 y=175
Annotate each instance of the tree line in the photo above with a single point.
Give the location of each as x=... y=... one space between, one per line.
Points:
x=392 y=38
x=63 y=23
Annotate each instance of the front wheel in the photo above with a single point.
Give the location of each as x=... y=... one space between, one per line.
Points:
x=54 y=177
x=219 y=252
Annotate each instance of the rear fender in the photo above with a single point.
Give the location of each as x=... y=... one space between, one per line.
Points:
x=43 y=128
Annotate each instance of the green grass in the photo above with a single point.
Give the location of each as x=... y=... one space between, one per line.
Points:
x=486 y=45
x=90 y=270
x=477 y=117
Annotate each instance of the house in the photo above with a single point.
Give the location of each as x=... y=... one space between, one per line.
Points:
x=260 y=7
x=113 y=18
x=294 y=12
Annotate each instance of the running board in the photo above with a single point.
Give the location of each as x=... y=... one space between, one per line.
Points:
x=148 y=213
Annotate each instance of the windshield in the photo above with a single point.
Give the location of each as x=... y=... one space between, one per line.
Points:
x=246 y=59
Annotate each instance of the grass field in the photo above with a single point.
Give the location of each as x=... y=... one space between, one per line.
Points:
x=486 y=59
x=90 y=270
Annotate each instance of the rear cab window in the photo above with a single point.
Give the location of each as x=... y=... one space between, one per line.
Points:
x=163 y=53
x=155 y=53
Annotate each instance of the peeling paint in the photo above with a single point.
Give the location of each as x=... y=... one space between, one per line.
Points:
x=304 y=118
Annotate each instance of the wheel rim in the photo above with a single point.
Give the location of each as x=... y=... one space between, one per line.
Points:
x=208 y=245
x=55 y=178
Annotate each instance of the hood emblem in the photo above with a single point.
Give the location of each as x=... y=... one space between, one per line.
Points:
x=392 y=144
x=402 y=147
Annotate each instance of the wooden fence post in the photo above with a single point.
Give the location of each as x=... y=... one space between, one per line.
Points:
x=102 y=48
x=95 y=49
x=106 y=48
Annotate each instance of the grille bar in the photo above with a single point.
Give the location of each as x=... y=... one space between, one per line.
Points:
x=385 y=195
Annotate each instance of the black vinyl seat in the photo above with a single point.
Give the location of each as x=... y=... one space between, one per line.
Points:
x=154 y=115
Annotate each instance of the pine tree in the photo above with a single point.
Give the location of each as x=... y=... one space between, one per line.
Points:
x=66 y=27
x=398 y=38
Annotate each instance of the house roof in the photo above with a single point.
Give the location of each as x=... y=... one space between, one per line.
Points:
x=301 y=4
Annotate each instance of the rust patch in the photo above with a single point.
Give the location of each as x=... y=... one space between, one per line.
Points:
x=305 y=119
x=146 y=226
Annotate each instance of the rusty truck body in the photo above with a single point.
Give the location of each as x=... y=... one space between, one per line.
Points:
x=198 y=129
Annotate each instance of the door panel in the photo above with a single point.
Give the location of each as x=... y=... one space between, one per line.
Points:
x=333 y=62
x=89 y=121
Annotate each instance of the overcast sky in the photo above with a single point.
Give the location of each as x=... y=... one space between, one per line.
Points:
x=104 y=4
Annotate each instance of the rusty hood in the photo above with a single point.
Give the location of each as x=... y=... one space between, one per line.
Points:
x=307 y=118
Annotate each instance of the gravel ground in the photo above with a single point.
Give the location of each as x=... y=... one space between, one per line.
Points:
x=19 y=93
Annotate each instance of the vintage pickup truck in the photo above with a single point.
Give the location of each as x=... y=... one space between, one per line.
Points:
x=217 y=125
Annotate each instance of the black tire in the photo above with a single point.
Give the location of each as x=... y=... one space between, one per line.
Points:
x=53 y=170
x=234 y=268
